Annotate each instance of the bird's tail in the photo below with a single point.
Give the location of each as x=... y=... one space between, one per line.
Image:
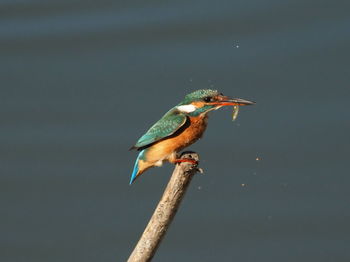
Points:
x=136 y=172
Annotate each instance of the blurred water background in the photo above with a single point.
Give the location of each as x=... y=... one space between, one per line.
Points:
x=82 y=80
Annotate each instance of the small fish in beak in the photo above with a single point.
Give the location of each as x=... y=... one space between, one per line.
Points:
x=235 y=112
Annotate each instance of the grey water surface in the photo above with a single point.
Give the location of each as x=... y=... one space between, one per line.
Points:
x=82 y=80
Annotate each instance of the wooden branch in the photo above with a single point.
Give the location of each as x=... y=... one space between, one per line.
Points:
x=165 y=210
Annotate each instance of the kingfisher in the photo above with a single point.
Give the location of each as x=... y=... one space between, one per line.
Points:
x=180 y=127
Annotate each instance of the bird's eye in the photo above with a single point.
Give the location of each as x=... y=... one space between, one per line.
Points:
x=207 y=99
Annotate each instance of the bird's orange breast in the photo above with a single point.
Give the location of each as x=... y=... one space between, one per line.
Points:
x=191 y=134
x=166 y=148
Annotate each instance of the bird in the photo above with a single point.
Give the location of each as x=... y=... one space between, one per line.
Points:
x=180 y=127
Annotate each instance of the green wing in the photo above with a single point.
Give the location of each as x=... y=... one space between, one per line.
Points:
x=166 y=126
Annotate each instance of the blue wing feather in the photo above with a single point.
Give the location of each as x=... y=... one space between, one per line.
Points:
x=165 y=127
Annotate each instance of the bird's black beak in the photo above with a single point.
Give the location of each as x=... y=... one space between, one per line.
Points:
x=226 y=101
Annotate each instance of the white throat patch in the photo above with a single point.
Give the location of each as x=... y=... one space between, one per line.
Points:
x=187 y=108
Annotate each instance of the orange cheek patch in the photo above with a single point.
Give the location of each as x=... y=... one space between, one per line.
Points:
x=198 y=104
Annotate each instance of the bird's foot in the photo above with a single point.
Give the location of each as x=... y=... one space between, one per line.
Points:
x=187 y=160
x=189 y=157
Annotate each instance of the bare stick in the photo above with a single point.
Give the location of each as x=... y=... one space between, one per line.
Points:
x=165 y=210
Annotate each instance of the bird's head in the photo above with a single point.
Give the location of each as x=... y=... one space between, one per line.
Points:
x=205 y=100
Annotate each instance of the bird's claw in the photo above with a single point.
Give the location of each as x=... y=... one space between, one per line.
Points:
x=200 y=170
